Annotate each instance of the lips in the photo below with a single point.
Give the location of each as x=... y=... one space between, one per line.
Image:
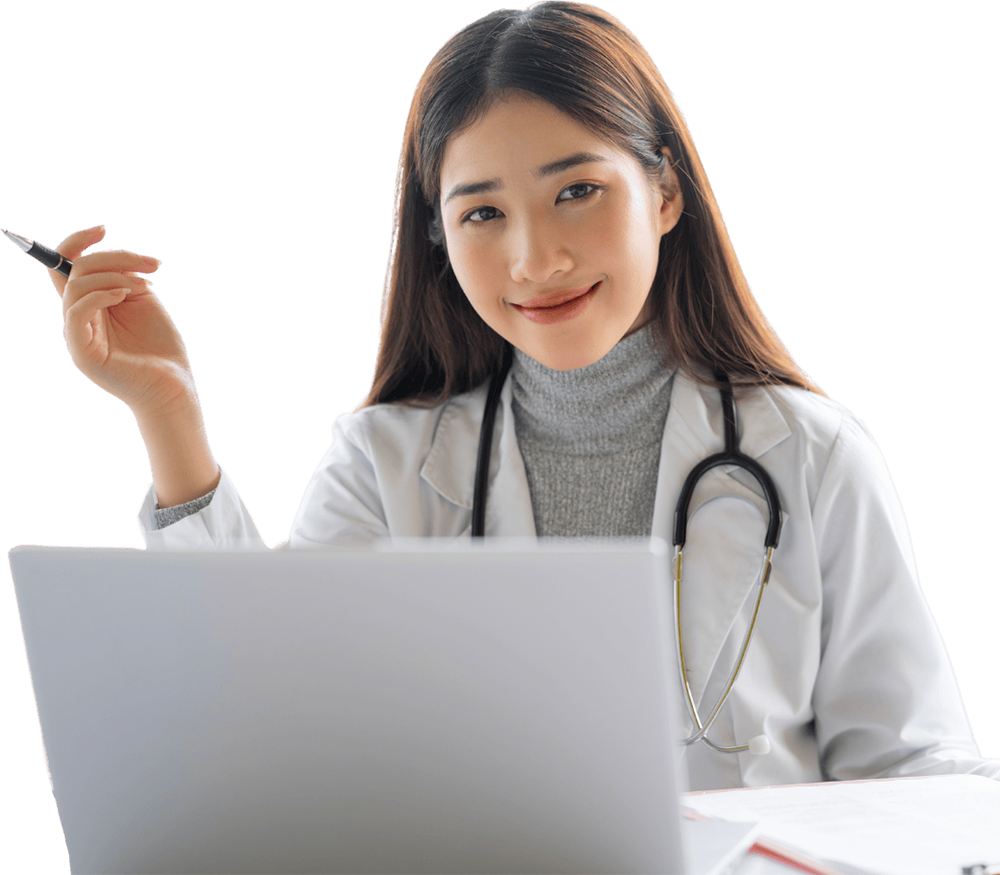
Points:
x=547 y=301
x=568 y=309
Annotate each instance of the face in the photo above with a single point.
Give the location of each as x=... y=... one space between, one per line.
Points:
x=553 y=233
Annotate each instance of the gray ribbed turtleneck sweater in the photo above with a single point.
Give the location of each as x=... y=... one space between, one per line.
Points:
x=590 y=440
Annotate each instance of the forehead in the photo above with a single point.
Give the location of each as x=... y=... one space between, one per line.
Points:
x=515 y=137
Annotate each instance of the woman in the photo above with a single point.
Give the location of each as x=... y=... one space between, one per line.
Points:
x=550 y=202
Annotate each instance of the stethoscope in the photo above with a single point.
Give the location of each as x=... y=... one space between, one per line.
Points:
x=732 y=456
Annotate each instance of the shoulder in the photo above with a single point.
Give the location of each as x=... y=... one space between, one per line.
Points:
x=829 y=446
x=818 y=418
x=382 y=426
x=811 y=417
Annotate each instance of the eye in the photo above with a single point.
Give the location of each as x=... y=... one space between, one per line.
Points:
x=576 y=185
x=468 y=216
x=585 y=195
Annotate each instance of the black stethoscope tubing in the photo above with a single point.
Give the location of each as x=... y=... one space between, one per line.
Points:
x=730 y=455
x=486 y=443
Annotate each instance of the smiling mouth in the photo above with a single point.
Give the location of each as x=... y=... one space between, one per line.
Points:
x=562 y=312
x=558 y=303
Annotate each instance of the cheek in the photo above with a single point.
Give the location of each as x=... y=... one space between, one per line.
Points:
x=643 y=240
x=476 y=274
x=626 y=243
x=622 y=247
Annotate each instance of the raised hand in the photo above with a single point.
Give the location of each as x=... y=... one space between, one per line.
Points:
x=117 y=331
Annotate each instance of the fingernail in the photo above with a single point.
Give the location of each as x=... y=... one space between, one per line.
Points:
x=95 y=228
x=153 y=262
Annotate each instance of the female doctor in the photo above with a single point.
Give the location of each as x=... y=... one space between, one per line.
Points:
x=553 y=216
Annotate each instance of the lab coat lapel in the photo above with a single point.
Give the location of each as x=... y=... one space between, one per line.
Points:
x=450 y=467
x=508 y=512
x=726 y=522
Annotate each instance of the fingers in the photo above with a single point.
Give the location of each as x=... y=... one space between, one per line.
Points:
x=116 y=260
x=93 y=286
x=79 y=286
x=78 y=328
x=71 y=248
x=98 y=262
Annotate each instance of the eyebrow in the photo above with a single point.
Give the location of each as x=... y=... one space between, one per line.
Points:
x=490 y=185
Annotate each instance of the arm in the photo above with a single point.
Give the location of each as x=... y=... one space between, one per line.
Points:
x=121 y=337
x=179 y=456
x=184 y=470
x=886 y=700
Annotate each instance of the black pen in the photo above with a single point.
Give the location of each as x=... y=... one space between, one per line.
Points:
x=49 y=257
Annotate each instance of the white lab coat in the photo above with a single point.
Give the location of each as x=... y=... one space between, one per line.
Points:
x=846 y=675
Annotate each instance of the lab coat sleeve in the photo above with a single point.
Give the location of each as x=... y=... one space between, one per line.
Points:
x=343 y=502
x=886 y=701
x=224 y=524
x=342 y=505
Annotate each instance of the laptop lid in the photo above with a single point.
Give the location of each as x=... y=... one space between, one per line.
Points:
x=500 y=707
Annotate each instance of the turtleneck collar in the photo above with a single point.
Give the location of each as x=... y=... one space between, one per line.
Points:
x=615 y=404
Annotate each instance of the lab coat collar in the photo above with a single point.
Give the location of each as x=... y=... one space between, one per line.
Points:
x=450 y=467
x=693 y=431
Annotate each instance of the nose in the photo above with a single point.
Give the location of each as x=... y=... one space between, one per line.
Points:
x=538 y=253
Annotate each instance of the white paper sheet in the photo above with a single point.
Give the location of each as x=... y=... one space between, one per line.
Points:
x=906 y=826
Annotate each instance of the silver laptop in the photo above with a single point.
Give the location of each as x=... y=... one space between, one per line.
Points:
x=505 y=707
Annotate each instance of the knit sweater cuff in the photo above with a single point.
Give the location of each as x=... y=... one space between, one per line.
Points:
x=165 y=516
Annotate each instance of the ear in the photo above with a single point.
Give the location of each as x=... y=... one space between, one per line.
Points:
x=670 y=189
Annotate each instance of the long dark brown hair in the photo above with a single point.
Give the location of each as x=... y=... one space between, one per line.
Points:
x=582 y=61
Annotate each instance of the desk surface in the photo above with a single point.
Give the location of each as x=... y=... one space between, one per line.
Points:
x=917 y=826
x=35 y=845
